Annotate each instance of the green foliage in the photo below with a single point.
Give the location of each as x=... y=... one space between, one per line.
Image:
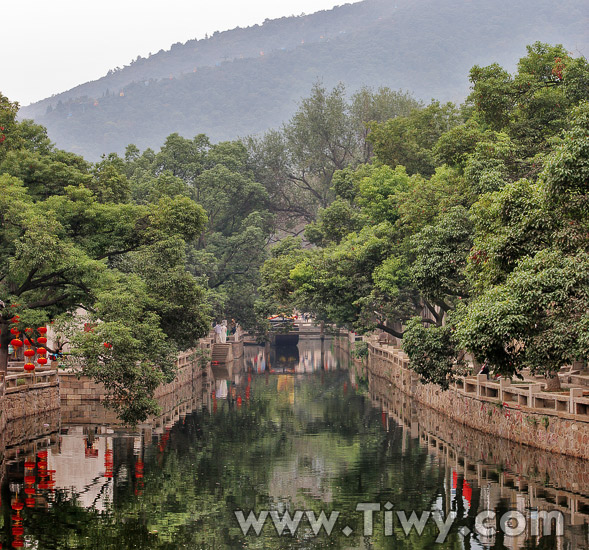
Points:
x=485 y=254
x=327 y=136
x=440 y=257
x=233 y=209
x=360 y=350
x=432 y=351
x=409 y=140
x=76 y=250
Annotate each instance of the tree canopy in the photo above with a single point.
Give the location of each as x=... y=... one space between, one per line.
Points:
x=467 y=231
x=76 y=249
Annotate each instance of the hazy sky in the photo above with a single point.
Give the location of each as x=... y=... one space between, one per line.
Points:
x=49 y=46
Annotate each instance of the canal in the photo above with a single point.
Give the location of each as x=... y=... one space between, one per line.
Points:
x=303 y=431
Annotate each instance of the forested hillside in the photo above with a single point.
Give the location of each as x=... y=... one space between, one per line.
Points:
x=244 y=81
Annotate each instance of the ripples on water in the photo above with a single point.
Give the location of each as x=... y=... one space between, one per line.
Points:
x=281 y=429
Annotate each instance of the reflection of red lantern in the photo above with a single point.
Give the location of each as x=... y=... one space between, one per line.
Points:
x=108 y=463
x=30 y=502
x=16 y=343
x=17 y=505
x=42 y=454
x=42 y=330
x=29 y=367
x=42 y=360
x=30 y=479
x=42 y=340
x=18 y=530
x=29 y=465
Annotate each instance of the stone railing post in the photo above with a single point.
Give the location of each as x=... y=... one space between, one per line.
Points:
x=575 y=392
x=534 y=388
x=481 y=379
x=503 y=383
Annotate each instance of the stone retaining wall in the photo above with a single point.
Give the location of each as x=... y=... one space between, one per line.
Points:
x=77 y=388
x=559 y=432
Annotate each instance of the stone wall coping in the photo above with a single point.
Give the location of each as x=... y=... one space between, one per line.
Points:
x=32 y=381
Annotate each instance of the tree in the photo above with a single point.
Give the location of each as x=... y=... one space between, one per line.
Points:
x=228 y=253
x=409 y=140
x=327 y=134
x=74 y=255
x=531 y=310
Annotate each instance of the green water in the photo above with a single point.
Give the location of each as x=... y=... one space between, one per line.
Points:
x=289 y=431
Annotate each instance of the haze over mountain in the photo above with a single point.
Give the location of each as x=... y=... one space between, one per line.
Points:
x=245 y=81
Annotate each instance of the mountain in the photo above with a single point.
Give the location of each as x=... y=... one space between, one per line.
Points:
x=247 y=80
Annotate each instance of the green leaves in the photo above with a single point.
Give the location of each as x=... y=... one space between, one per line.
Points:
x=432 y=350
x=75 y=249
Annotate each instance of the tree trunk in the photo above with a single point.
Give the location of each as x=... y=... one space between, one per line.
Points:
x=552 y=382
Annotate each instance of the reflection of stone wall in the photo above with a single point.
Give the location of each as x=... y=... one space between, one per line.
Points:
x=552 y=433
x=525 y=478
x=564 y=472
x=30 y=427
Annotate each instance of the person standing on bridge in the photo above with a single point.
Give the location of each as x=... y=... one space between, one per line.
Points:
x=219 y=329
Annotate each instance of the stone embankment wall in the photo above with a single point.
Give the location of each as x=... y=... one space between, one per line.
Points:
x=78 y=388
x=24 y=394
x=522 y=413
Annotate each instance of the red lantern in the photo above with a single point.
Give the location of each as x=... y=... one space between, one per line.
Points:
x=41 y=351
x=29 y=352
x=41 y=340
x=29 y=367
x=42 y=360
x=14 y=331
x=27 y=342
x=42 y=330
x=16 y=343
x=42 y=454
x=28 y=330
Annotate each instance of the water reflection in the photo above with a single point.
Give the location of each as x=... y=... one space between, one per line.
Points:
x=280 y=430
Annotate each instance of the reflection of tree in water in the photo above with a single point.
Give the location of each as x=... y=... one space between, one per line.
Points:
x=326 y=446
